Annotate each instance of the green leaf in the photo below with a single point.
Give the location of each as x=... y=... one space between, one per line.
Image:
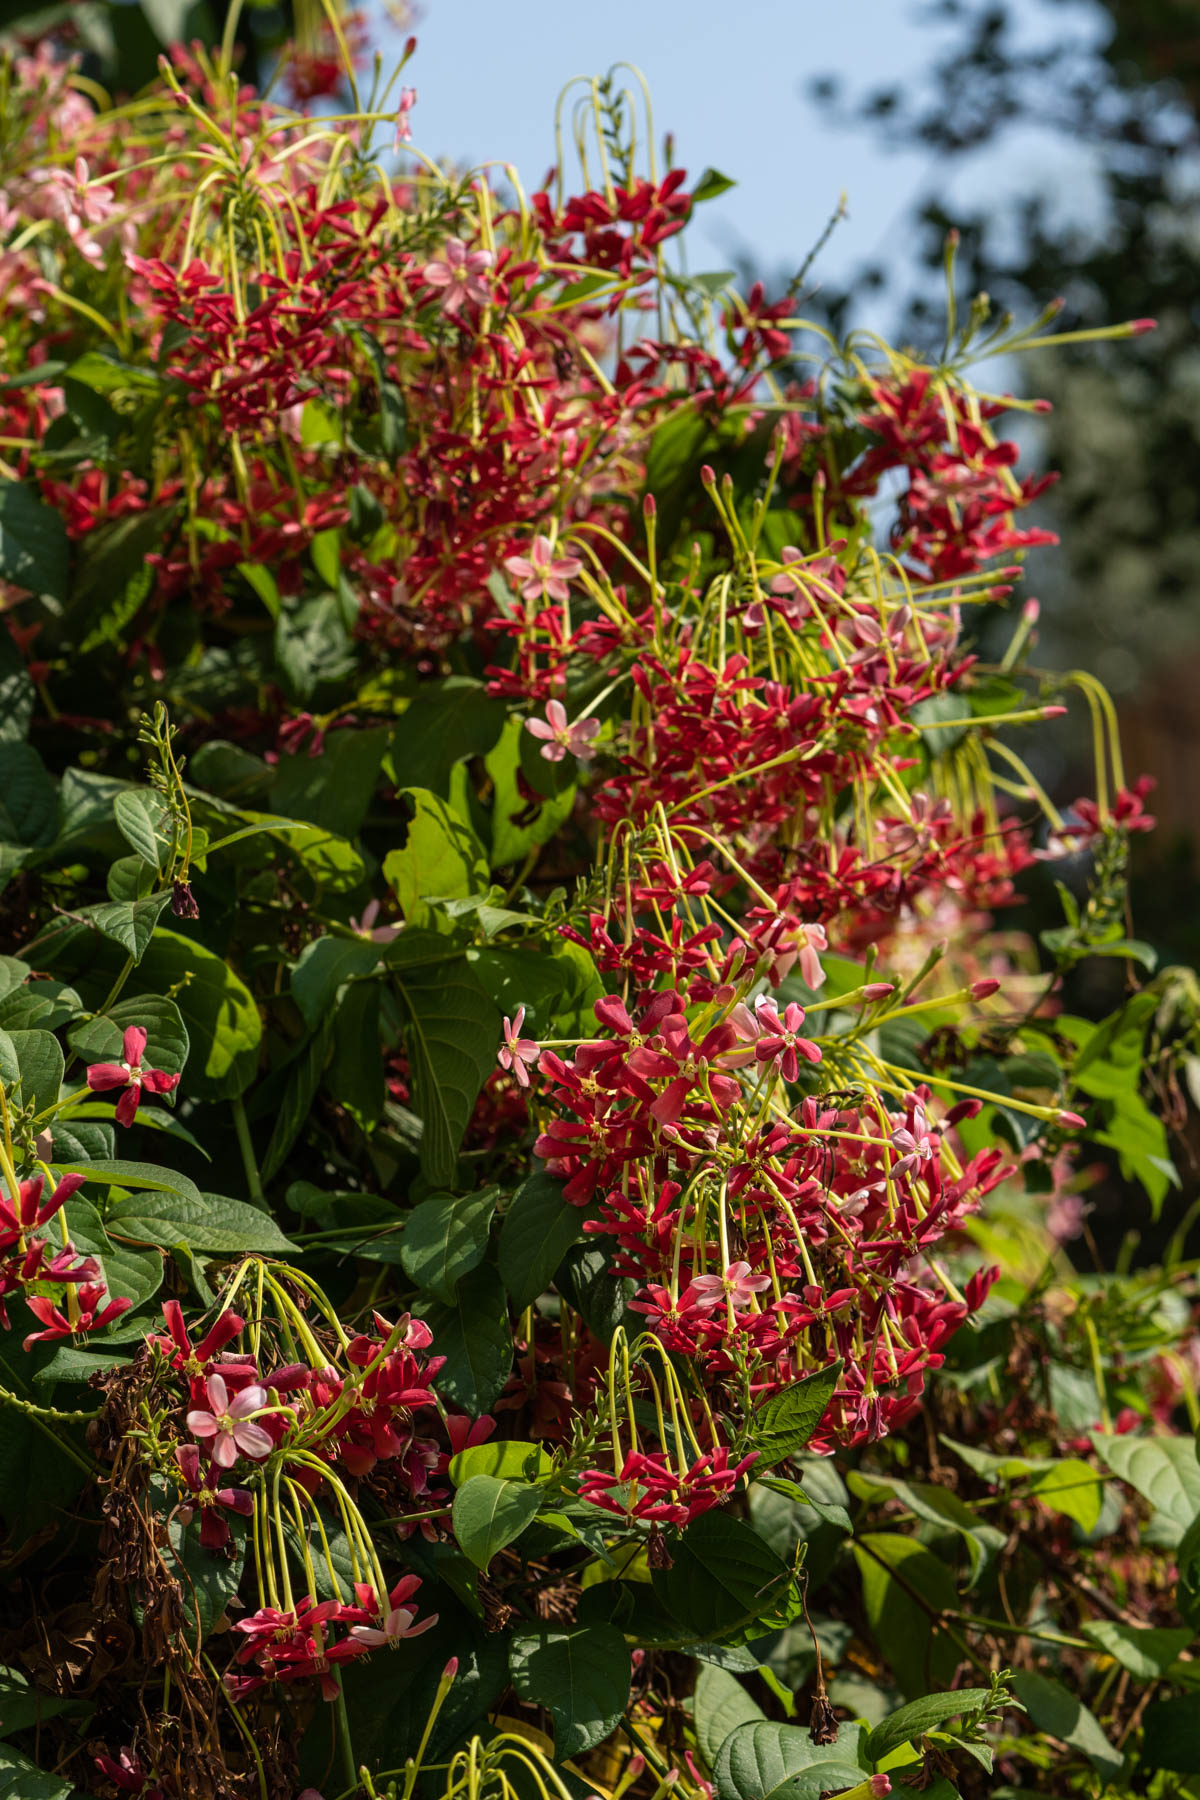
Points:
x=322 y=969
x=134 y=1275
x=581 y=1677
x=1171 y=1739
x=331 y=791
x=538 y=1230
x=1145 y=1651
x=490 y=1512
x=920 y=1716
x=710 y=185
x=1071 y=1487
x=783 y=1426
x=129 y=923
x=217 y=1008
x=209 y=1582
x=512 y=842
x=355 y=1075
x=28 y=797
x=134 y=1176
x=722 y=1577
x=21 y=1779
x=101 y=1039
x=759 y=1761
x=921 y=1656
x=441 y=857
x=451 y=1032
x=939 y=1507
x=1054 y=1709
x=34 y=551
x=40 y=1061
x=446 y=1237
x=145 y=823
x=40 y=1006
x=721 y=1704
x=17 y=693
x=23 y=1705
x=1187 y=1589
x=444 y=723
x=508 y=1457
x=474 y=1336
x=556 y=982
x=303 y=1079
x=208 y=1222
x=1164 y=1470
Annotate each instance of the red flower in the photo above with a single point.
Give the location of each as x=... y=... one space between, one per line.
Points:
x=93 y=1316
x=131 y=1076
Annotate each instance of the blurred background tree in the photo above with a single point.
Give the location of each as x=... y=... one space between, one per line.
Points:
x=1119 y=81
x=121 y=40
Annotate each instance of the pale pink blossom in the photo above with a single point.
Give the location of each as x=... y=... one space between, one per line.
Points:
x=559 y=736
x=408 y=99
x=228 y=1423
x=541 y=573
x=517 y=1051
x=365 y=927
x=813 y=941
x=459 y=272
x=737 y=1284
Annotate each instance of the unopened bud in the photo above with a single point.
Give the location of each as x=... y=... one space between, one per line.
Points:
x=952 y=238
x=1000 y=593
x=1053 y=712
x=450 y=1670
x=1031 y=612
x=1072 y=1119
x=880 y=1785
x=1043 y=406
x=1139 y=327
x=649 y=507
x=410 y=45
x=983 y=990
x=707 y=476
x=878 y=990
x=1056 y=305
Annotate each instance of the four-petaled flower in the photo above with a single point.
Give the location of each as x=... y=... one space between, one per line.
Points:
x=398 y=1622
x=91 y=1314
x=543 y=575
x=131 y=1076
x=558 y=736
x=459 y=272
x=214 y=1532
x=229 y=1423
x=516 y=1051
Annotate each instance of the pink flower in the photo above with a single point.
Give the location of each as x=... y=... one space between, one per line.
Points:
x=737 y=1283
x=228 y=1423
x=131 y=1076
x=367 y=928
x=517 y=1051
x=408 y=99
x=460 y=274
x=398 y=1622
x=559 y=736
x=781 y=1040
x=814 y=941
x=541 y=572
x=214 y=1532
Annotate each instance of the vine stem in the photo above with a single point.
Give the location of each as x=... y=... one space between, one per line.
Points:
x=246 y=1146
x=349 y=1767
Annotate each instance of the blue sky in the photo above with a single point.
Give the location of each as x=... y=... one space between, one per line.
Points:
x=730 y=81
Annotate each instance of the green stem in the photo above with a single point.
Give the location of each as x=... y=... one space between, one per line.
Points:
x=349 y=1768
x=246 y=1146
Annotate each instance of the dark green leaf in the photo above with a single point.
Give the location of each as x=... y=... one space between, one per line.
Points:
x=721 y=1704
x=723 y=1576
x=40 y=1061
x=581 y=1677
x=474 y=1337
x=34 y=552
x=1144 y=1651
x=323 y=967
x=303 y=1080
x=1164 y=1470
x=217 y=1008
x=758 y=1761
x=452 y=1032
x=538 y=1230
x=28 y=797
x=355 y=1075
x=441 y=857
x=1054 y=1709
x=129 y=923
x=491 y=1512
x=1171 y=1739
x=444 y=723
x=101 y=1039
x=446 y=1237
x=209 y=1222
x=893 y=1570
x=919 y=1716
x=783 y=1426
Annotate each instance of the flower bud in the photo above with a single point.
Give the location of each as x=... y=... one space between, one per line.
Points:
x=649 y=507
x=1072 y=1119
x=1139 y=327
x=983 y=990
x=878 y=990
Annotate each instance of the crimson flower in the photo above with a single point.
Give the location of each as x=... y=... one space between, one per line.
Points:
x=93 y=1316
x=31 y=1210
x=131 y=1076
x=781 y=1040
x=128 y=1774
x=399 y=1620
x=229 y=1424
x=188 y=1358
x=214 y=1532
